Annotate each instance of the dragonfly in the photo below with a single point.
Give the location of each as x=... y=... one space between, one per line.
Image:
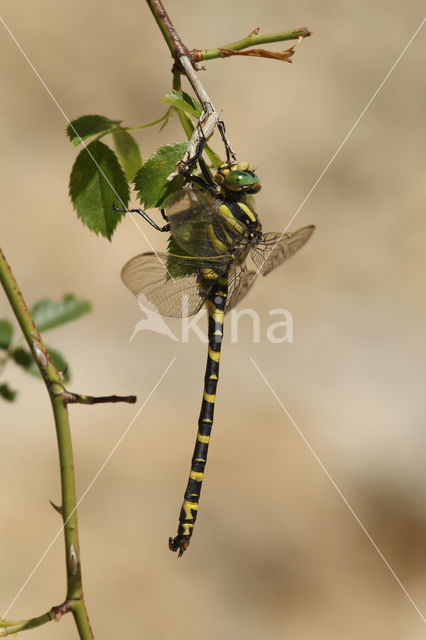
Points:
x=214 y=229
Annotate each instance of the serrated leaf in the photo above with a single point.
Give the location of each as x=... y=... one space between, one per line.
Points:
x=96 y=182
x=48 y=314
x=184 y=102
x=128 y=152
x=7 y=393
x=6 y=334
x=151 y=180
x=88 y=126
x=171 y=187
x=25 y=359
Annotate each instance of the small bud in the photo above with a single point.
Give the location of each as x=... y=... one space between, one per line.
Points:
x=72 y=560
x=39 y=355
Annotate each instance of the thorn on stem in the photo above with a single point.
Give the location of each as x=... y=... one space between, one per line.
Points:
x=57 y=507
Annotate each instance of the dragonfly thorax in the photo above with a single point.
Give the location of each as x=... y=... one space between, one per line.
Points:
x=241 y=219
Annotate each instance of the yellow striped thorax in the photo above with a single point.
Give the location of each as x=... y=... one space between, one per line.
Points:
x=240 y=219
x=235 y=182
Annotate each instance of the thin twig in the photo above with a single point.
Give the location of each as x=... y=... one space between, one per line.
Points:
x=12 y=627
x=53 y=381
x=78 y=398
x=175 y=44
x=253 y=39
x=207 y=121
x=185 y=61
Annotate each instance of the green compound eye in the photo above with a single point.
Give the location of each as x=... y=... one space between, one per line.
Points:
x=239 y=180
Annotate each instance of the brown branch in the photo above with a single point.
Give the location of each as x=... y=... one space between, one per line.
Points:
x=175 y=44
x=78 y=398
x=284 y=56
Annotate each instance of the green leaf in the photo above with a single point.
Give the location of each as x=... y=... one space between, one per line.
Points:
x=25 y=360
x=213 y=157
x=171 y=187
x=23 y=357
x=7 y=393
x=48 y=314
x=173 y=247
x=184 y=102
x=128 y=152
x=6 y=334
x=96 y=182
x=167 y=116
x=60 y=363
x=177 y=270
x=88 y=126
x=151 y=180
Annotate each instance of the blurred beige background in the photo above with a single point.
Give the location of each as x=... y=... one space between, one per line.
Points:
x=276 y=552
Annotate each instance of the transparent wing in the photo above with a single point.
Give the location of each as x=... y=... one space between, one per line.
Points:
x=148 y=278
x=240 y=282
x=276 y=248
x=272 y=250
x=154 y=280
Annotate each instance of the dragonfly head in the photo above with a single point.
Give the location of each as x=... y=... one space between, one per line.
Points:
x=237 y=178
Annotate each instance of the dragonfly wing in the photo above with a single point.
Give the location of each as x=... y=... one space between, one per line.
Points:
x=240 y=282
x=150 y=278
x=190 y=212
x=276 y=248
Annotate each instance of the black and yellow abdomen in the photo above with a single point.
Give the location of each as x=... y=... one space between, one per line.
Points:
x=216 y=309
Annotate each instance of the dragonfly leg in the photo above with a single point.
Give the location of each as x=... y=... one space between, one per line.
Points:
x=207 y=181
x=146 y=217
x=230 y=155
